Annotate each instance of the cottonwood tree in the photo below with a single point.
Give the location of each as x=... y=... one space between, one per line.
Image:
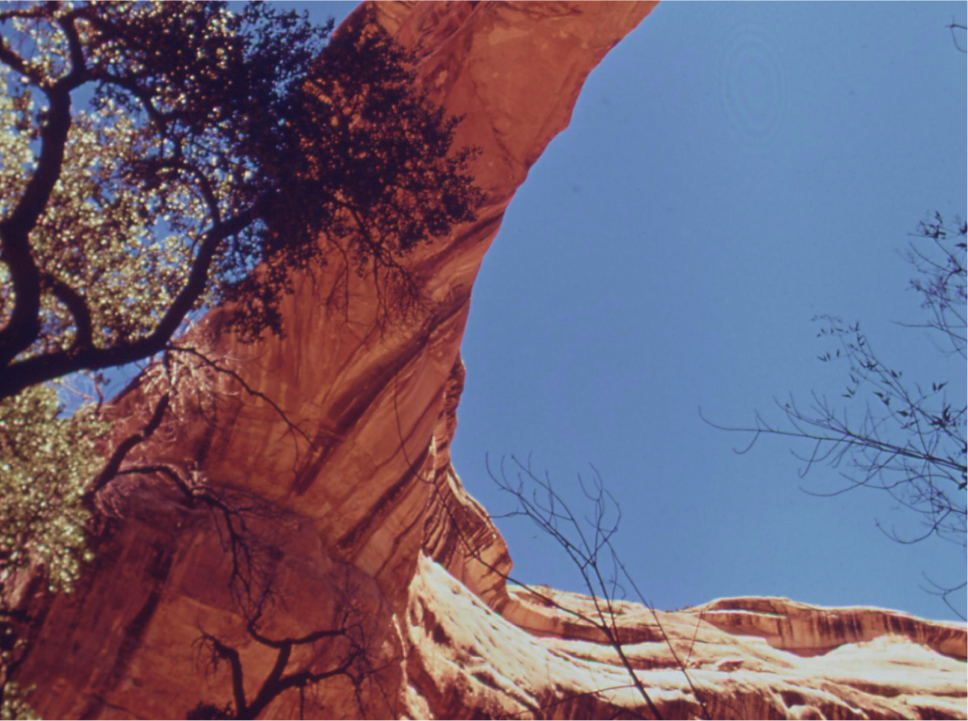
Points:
x=887 y=431
x=154 y=155
x=211 y=143
x=159 y=158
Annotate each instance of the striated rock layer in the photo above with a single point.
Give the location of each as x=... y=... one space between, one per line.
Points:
x=359 y=514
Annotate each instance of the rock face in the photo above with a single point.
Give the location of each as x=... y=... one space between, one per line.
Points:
x=747 y=657
x=336 y=451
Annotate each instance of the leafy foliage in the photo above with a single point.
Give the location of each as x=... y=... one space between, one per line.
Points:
x=204 y=710
x=14 y=706
x=153 y=156
x=210 y=144
x=47 y=462
x=159 y=158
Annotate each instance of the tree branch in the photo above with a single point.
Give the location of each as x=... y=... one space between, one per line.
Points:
x=23 y=327
x=227 y=653
x=293 y=428
x=75 y=303
x=78 y=72
x=113 y=465
x=38 y=369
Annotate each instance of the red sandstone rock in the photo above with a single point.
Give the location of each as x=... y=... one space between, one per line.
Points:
x=367 y=512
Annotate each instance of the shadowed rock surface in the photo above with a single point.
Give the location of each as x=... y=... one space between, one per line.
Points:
x=359 y=510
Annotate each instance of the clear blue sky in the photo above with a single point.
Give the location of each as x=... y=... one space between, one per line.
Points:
x=731 y=170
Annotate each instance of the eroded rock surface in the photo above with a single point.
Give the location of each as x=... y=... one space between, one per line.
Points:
x=746 y=657
x=359 y=511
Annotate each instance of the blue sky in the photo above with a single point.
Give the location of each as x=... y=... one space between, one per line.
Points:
x=731 y=170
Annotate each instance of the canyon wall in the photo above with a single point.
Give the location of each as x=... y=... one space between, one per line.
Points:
x=337 y=448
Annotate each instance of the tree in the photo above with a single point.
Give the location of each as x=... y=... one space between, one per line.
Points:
x=210 y=144
x=160 y=158
x=893 y=434
x=588 y=543
x=342 y=651
x=251 y=532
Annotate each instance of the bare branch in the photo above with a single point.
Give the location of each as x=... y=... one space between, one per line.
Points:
x=113 y=465
x=909 y=439
x=585 y=556
x=954 y=37
x=194 y=352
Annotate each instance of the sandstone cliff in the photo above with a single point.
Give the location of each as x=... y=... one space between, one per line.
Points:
x=338 y=450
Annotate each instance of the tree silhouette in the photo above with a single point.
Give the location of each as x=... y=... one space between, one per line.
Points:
x=160 y=158
x=210 y=144
x=588 y=542
x=347 y=642
x=890 y=433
